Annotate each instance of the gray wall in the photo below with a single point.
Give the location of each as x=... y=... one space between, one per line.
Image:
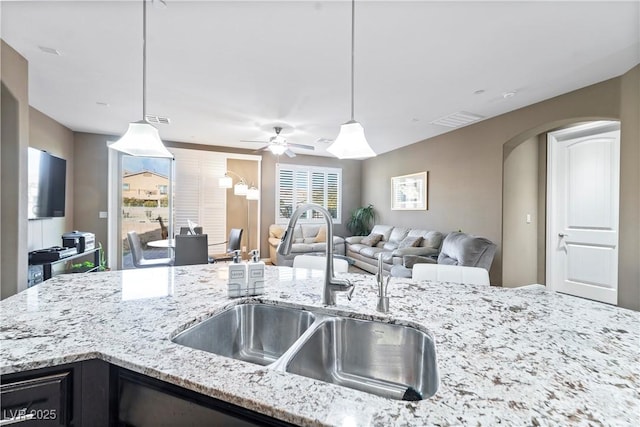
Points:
x=47 y=134
x=90 y=189
x=629 y=243
x=520 y=195
x=13 y=169
x=465 y=188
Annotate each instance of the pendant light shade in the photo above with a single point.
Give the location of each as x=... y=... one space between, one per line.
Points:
x=351 y=142
x=141 y=138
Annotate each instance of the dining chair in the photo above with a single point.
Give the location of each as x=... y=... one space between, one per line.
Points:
x=187 y=230
x=137 y=254
x=191 y=249
x=451 y=273
x=314 y=262
x=233 y=244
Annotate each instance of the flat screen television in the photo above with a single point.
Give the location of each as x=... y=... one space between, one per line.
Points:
x=47 y=184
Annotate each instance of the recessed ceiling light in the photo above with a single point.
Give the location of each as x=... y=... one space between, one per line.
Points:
x=479 y=92
x=509 y=94
x=49 y=50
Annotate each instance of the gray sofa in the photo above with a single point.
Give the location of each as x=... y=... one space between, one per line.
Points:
x=457 y=249
x=395 y=243
x=307 y=239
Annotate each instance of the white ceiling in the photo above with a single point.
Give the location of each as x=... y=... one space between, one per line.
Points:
x=223 y=71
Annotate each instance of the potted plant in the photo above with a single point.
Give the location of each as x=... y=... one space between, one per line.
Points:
x=361 y=220
x=103 y=259
x=82 y=267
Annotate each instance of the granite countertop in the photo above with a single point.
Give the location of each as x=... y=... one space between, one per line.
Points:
x=517 y=357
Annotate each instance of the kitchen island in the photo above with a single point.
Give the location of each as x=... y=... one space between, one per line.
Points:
x=516 y=357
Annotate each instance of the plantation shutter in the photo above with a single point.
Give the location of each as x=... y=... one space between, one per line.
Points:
x=298 y=184
x=197 y=196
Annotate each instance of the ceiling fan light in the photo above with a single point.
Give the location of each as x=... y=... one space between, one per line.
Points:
x=240 y=189
x=225 y=182
x=351 y=142
x=277 y=149
x=141 y=139
x=253 y=193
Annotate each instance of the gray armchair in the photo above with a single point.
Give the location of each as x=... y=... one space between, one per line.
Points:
x=457 y=249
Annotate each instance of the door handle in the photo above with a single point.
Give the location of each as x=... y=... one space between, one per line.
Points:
x=561 y=235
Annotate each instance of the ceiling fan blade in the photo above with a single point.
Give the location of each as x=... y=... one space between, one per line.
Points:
x=260 y=142
x=306 y=147
x=290 y=153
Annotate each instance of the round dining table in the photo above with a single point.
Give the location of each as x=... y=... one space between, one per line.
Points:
x=164 y=243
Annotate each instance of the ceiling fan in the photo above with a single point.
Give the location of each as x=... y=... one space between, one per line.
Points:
x=278 y=144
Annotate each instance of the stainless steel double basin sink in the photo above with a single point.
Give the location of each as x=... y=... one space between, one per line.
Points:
x=389 y=360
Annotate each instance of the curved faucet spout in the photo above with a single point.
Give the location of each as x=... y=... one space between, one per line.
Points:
x=331 y=283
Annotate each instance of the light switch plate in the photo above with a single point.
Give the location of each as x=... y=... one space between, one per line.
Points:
x=102 y=214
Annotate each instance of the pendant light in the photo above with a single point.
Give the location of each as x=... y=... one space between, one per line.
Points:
x=351 y=142
x=141 y=138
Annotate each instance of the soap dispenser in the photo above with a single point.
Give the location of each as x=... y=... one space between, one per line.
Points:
x=255 y=274
x=237 y=286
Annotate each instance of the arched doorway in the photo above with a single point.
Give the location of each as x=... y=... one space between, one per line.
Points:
x=524 y=203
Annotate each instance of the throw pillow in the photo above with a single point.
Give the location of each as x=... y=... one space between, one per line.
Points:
x=322 y=235
x=410 y=242
x=371 y=239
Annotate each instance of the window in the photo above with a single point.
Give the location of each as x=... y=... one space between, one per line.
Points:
x=125 y=186
x=163 y=189
x=297 y=184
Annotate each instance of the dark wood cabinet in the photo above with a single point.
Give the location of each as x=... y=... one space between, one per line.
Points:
x=95 y=393
x=76 y=394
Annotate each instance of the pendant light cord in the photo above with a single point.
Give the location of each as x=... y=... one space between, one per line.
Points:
x=353 y=20
x=144 y=60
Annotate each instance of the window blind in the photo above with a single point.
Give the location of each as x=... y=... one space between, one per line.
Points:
x=298 y=184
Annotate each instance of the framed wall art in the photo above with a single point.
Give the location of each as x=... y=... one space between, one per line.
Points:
x=409 y=192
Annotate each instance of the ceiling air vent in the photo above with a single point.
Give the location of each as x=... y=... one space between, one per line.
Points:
x=455 y=120
x=49 y=50
x=157 y=119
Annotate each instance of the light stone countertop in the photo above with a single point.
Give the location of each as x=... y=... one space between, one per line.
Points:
x=516 y=357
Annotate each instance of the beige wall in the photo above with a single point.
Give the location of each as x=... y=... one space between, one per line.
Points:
x=48 y=135
x=520 y=198
x=13 y=169
x=466 y=170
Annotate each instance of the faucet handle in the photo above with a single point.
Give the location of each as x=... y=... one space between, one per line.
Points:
x=350 y=291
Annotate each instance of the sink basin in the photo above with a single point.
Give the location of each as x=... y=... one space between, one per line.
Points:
x=256 y=333
x=392 y=361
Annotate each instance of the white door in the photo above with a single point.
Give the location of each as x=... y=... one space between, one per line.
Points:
x=582 y=211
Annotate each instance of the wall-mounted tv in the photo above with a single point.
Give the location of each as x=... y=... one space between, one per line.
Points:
x=47 y=184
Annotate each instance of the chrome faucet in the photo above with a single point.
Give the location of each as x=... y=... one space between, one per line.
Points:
x=383 y=299
x=331 y=283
